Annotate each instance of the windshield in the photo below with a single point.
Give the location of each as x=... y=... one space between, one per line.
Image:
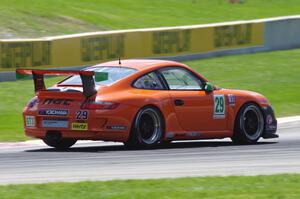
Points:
x=114 y=74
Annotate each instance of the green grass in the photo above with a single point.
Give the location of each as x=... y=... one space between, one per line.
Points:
x=14 y=96
x=274 y=74
x=32 y=18
x=258 y=187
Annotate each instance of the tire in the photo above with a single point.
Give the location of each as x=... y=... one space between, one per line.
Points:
x=60 y=144
x=249 y=124
x=147 y=128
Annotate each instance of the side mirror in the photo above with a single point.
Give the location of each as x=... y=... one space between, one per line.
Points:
x=208 y=87
x=101 y=76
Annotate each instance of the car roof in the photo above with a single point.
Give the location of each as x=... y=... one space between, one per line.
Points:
x=139 y=64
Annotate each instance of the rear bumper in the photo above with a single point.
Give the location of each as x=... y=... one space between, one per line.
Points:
x=106 y=125
x=270 y=123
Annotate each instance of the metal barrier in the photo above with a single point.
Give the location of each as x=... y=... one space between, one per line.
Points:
x=177 y=43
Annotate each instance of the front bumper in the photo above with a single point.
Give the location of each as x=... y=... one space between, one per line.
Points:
x=270 y=123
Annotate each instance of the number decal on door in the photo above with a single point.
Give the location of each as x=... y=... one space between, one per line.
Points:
x=82 y=115
x=219 y=107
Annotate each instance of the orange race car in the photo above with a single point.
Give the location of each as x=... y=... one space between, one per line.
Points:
x=142 y=103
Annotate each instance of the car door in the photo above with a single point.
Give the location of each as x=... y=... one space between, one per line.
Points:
x=196 y=109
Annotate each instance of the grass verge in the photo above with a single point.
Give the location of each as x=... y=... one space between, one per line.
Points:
x=258 y=187
x=34 y=18
x=274 y=74
x=14 y=96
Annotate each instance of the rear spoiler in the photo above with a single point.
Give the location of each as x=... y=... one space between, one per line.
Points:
x=88 y=83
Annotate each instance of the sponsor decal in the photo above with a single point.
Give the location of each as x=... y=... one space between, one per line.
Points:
x=29 y=121
x=193 y=134
x=82 y=115
x=65 y=102
x=269 y=119
x=102 y=47
x=55 y=123
x=53 y=112
x=79 y=126
x=231 y=99
x=234 y=35
x=170 y=135
x=219 y=107
x=116 y=127
x=174 y=41
x=30 y=54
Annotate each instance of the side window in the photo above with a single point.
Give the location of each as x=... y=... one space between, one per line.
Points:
x=148 y=81
x=180 y=79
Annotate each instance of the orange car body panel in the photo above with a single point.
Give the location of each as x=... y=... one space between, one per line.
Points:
x=194 y=120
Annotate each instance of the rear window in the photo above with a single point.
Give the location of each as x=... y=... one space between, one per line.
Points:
x=114 y=74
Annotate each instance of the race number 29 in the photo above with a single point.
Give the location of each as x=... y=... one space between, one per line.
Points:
x=81 y=115
x=219 y=106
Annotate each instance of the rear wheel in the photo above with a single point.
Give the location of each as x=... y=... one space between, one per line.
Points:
x=60 y=144
x=147 y=129
x=249 y=125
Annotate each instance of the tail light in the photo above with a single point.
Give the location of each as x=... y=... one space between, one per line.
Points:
x=95 y=105
x=34 y=101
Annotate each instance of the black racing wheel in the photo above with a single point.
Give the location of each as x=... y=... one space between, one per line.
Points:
x=60 y=144
x=147 y=128
x=249 y=124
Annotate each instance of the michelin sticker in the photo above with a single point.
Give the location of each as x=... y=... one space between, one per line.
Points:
x=219 y=107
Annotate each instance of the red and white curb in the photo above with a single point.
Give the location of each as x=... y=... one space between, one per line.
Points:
x=25 y=144
x=40 y=143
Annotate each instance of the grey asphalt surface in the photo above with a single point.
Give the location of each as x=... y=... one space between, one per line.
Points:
x=108 y=161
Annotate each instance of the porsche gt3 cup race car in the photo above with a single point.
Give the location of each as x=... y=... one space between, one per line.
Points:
x=142 y=103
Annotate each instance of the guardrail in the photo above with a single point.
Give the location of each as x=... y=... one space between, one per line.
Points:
x=184 y=42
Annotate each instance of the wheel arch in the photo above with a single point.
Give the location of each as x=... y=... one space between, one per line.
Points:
x=158 y=109
x=243 y=105
x=152 y=106
x=236 y=121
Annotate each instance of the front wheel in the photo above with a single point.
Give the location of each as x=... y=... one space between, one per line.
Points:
x=147 y=129
x=249 y=125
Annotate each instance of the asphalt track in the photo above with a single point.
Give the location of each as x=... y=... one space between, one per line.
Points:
x=23 y=163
